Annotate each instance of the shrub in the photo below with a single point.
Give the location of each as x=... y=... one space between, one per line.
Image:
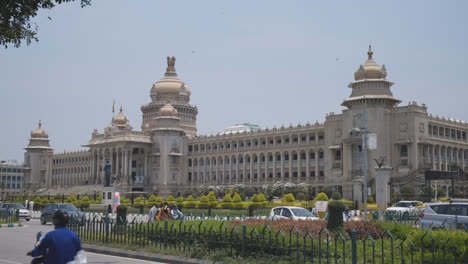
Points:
x=187 y=193
x=262 y=200
x=288 y=198
x=249 y=191
x=349 y=204
x=85 y=201
x=321 y=197
x=124 y=201
x=44 y=201
x=300 y=196
x=159 y=200
x=121 y=214
x=151 y=201
x=171 y=200
x=237 y=201
x=99 y=198
x=180 y=201
x=71 y=199
x=227 y=202
x=370 y=199
x=335 y=215
x=204 y=202
x=138 y=202
x=408 y=191
x=212 y=199
x=37 y=200
x=190 y=203
x=336 y=196
x=327 y=190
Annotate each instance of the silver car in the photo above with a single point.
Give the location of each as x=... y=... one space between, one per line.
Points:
x=452 y=216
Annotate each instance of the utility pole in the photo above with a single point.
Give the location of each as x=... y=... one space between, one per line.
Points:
x=364 y=161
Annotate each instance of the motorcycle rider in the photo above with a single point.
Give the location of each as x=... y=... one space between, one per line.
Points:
x=62 y=243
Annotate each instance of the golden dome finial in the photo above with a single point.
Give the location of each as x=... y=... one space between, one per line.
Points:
x=121 y=109
x=40 y=123
x=370 y=52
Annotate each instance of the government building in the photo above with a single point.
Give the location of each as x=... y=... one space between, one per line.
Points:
x=167 y=155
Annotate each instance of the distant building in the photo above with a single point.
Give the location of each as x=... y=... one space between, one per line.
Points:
x=168 y=156
x=11 y=177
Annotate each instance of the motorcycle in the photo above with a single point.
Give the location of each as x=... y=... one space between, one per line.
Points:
x=38 y=259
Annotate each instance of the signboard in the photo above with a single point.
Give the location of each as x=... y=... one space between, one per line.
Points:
x=371 y=141
x=321 y=206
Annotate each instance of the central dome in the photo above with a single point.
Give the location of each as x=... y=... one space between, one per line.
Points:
x=168 y=110
x=39 y=132
x=120 y=118
x=370 y=69
x=170 y=84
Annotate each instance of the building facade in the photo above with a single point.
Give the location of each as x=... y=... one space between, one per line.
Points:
x=11 y=177
x=167 y=155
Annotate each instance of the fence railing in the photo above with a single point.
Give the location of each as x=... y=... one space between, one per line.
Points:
x=8 y=215
x=292 y=245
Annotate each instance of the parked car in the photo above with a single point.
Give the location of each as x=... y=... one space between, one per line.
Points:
x=452 y=215
x=69 y=210
x=291 y=212
x=405 y=208
x=23 y=212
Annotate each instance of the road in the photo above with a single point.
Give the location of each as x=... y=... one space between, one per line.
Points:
x=16 y=241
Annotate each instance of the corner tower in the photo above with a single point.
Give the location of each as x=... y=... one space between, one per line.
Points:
x=38 y=160
x=170 y=89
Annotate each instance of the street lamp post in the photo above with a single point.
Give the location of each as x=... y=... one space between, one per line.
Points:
x=113 y=196
x=364 y=161
x=380 y=162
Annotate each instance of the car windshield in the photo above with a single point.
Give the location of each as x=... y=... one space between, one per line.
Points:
x=67 y=207
x=302 y=212
x=16 y=206
x=403 y=204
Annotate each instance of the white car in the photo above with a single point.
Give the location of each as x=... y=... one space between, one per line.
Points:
x=445 y=215
x=291 y=212
x=23 y=212
x=405 y=208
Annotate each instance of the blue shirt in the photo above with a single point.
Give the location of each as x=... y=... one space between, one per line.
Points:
x=63 y=244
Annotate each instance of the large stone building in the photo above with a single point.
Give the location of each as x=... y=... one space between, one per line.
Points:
x=168 y=155
x=11 y=177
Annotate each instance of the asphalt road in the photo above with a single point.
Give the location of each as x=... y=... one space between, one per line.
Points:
x=15 y=242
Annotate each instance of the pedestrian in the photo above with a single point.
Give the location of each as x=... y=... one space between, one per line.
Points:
x=26 y=203
x=31 y=206
x=152 y=213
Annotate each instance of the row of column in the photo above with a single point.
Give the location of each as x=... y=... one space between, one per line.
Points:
x=440 y=156
x=289 y=166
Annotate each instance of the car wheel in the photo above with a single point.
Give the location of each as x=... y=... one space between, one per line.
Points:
x=28 y=219
x=43 y=220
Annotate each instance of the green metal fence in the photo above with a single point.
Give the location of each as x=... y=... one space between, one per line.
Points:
x=291 y=245
x=8 y=215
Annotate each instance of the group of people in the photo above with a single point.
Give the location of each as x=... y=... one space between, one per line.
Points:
x=29 y=205
x=163 y=211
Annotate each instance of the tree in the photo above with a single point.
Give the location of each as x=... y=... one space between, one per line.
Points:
x=327 y=190
x=249 y=191
x=408 y=191
x=15 y=16
x=336 y=196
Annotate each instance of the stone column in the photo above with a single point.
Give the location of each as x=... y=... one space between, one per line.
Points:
x=317 y=169
x=308 y=163
x=357 y=190
x=433 y=156
x=124 y=165
x=145 y=169
x=382 y=183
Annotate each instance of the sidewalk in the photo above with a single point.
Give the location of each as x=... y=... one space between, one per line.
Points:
x=142 y=255
x=11 y=225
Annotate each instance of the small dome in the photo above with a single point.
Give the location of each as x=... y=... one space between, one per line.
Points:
x=39 y=132
x=370 y=69
x=120 y=119
x=168 y=110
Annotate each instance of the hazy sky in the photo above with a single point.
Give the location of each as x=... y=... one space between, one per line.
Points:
x=264 y=62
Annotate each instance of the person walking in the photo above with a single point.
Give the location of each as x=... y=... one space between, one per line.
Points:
x=31 y=206
x=152 y=213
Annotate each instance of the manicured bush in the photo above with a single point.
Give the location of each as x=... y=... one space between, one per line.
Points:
x=237 y=201
x=171 y=200
x=335 y=215
x=190 y=202
x=255 y=202
x=138 y=202
x=37 y=201
x=204 y=202
x=327 y=190
x=99 y=198
x=408 y=191
x=159 y=200
x=227 y=202
x=180 y=201
x=262 y=200
x=121 y=214
x=151 y=201
x=212 y=199
x=71 y=200
x=288 y=198
x=44 y=202
x=321 y=197
x=370 y=199
x=300 y=196
x=85 y=201
x=336 y=196
x=125 y=202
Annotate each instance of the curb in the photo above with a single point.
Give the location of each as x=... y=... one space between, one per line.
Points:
x=11 y=225
x=142 y=255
